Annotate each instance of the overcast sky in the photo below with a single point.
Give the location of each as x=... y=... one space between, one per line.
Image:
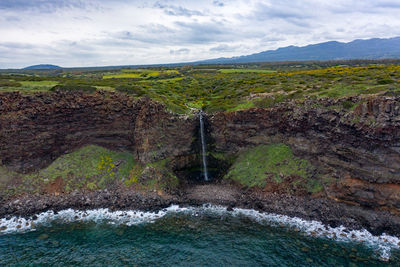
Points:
x=73 y=33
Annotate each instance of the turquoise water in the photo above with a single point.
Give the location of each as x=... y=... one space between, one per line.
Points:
x=199 y=237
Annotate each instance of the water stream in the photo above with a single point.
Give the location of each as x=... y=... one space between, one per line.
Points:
x=203 y=146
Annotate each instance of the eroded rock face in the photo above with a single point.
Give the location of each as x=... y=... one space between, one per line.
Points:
x=359 y=148
x=159 y=134
x=363 y=144
x=36 y=129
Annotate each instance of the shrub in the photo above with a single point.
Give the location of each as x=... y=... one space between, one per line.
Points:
x=392 y=93
x=385 y=81
x=74 y=88
x=268 y=102
x=131 y=89
x=5 y=83
x=347 y=104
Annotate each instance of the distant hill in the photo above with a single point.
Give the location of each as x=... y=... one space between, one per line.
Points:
x=42 y=67
x=375 y=48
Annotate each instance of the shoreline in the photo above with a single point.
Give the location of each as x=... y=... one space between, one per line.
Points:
x=327 y=211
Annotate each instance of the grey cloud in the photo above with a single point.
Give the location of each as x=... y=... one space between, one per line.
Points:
x=83 y=18
x=203 y=32
x=286 y=13
x=224 y=48
x=151 y=33
x=172 y=10
x=181 y=33
x=12 y=19
x=60 y=53
x=284 y=10
x=41 y=5
x=387 y=4
x=218 y=3
x=181 y=51
x=366 y=7
x=15 y=45
x=272 y=38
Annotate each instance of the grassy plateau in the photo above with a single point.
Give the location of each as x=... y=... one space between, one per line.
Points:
x=222 y=87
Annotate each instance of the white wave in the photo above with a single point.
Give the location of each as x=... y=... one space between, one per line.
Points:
x=383 y=243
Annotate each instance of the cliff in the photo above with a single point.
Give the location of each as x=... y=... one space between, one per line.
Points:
x=353 y=143
x=358 y=149
x=36 y=129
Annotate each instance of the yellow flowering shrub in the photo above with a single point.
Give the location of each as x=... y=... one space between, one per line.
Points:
x=106 y=165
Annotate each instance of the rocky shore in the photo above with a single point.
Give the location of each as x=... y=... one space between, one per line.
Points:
x=327 y=211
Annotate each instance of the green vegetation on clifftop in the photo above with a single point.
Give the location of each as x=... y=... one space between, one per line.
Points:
x=223 y=87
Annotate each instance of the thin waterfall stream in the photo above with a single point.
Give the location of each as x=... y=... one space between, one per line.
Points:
x=203 y=146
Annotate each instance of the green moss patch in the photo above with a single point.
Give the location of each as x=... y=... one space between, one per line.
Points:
x=165 y=179
x=91 y=167
x=273 y=164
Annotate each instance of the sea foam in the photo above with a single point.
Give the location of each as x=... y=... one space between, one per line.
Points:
x=382 y=244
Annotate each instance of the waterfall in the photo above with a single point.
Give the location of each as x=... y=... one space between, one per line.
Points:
x=203 y=146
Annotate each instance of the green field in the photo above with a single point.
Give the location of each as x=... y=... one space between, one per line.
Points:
x=141 y=74
x=245 y=70
x=216 y=88
x=38 y=85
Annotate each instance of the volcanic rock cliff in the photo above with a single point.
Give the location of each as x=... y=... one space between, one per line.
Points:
x=358 y=148
x=36 y=129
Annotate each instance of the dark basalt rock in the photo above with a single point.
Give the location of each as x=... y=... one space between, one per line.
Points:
x=36 y=129
x=327 y=211
x=359 y=149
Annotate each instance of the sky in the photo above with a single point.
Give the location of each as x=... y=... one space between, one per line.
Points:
x=79 y=33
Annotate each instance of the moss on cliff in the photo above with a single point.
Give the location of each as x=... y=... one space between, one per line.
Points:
x=91 y=167
x=273 y=164
x=160 y=176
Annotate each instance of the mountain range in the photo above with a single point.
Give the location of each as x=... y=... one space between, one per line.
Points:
x=375 y=48
x=43 y=67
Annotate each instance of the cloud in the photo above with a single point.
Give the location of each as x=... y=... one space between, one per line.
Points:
x=11 y=45
x=178 y=33
x=41 y=5
x=218 y=3
x=12 y=18
x=172 y=10
x=386 y=4
x=180 y=51
x=283 y=10
x=224 y=48
x=118 y=32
